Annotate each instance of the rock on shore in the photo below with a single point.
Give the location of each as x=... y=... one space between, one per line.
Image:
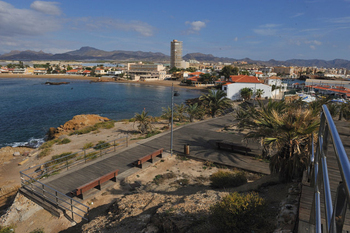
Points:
x=78 y=122
x=8 y=153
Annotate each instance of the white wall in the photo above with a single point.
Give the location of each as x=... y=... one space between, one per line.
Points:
x=233 y=90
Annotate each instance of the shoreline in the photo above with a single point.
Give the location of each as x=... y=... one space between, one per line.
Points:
x=165 y=83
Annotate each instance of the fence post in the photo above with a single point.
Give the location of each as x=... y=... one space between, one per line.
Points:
x=56 y=199
x=85 y=155
x=43 y=187
x=127 y=140
x=67 y=163
x=114 y=145
x=71 y=207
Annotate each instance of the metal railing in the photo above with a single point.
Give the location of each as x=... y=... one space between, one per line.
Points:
x=30 y=177
x=55 y=197
x=70 y=160
x=318 y=174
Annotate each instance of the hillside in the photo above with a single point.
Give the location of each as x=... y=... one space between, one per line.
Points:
x=90 y=53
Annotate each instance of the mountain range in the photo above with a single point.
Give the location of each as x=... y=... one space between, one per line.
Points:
x=89 y=53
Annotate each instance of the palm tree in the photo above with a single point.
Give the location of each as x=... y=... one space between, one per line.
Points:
x=166 y=114
x=180 y=111
x=193 y=111
x=286 y=130
x=259 y=93
x=144 y=122
x=246 y=93
x=215 y=102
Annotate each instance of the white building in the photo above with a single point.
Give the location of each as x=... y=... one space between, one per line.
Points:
x=238 y=82
x=146 y=72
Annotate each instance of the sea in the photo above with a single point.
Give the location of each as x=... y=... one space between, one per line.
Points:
x=28 y=107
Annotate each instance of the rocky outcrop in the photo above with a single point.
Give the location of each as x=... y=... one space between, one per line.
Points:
x=154 y=212
x=78 y=122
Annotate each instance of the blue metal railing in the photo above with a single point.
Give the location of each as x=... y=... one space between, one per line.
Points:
x=318 y=174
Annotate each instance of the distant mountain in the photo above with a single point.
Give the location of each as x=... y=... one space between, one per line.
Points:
x=90 y=53
x=85 y=53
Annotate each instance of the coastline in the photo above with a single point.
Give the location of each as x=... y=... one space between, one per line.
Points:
x=166 y=83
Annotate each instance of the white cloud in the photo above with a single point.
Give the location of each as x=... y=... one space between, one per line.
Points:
x=267 y=29
x=24 y=22
x=50 y=8
x=114 y=24
x=314 y=42
x=195 y=26
x=312 y=47
x=340 y=20
x=297 y=15
x=236 y=38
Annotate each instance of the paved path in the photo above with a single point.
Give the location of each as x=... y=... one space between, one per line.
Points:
x=201 y=137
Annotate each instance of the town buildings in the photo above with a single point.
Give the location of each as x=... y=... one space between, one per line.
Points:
x=146 y=72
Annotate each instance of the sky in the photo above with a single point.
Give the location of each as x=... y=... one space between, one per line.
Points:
x=255 y=29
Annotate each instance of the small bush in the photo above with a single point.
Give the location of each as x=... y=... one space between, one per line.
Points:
x=225 y=179
x=44 y=152
x=38 y=230
x=105 y=124
x=9 y=229
x=158 y=179
x=150 y=134
x=48 y=144
x=91 y=155
x=240 y=213
x=61 y=158
x=101 y=145
x=64 y=141
x=88 y=145
x=84 y=130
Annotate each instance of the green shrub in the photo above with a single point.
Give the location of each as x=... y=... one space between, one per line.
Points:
x=158 y=179
x=91 y=155
x=225 y=179
x=38 y=230
x=44 y=152
x=85 y=130
x=105 y=124
x=9 y=229
x=240 y=213
x=64 y=141
x=88 y=145
x=150 y=134
x=101 y=145
x=49 y=144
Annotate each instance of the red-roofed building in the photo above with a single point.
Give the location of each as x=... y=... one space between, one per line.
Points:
x=238 y=82
x=194 y=74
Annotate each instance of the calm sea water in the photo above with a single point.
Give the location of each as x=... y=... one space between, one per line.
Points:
x=28 y=108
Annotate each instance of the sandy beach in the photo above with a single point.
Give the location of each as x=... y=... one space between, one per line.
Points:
x=166 y=83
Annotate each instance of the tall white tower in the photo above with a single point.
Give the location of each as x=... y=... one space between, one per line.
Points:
x=175 y=54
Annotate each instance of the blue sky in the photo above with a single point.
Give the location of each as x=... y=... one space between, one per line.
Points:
x=257 y=29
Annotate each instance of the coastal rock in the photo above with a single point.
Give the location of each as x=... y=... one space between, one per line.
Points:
x=78 y=122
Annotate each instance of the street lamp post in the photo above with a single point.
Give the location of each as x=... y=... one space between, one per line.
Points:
x=173 y=93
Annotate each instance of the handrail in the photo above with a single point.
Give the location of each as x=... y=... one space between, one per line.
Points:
x=334 y=214
x=78 y=157
x=30 y=182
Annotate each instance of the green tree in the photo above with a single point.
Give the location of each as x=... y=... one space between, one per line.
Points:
x=215 y=102
x=144 y=122
x=244 y=72
x=229 y=70
x=246 y=93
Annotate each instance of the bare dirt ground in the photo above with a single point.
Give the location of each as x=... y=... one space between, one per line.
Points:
x=188 y=177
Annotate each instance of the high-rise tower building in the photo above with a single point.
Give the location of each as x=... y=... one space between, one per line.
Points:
x=176 y=54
